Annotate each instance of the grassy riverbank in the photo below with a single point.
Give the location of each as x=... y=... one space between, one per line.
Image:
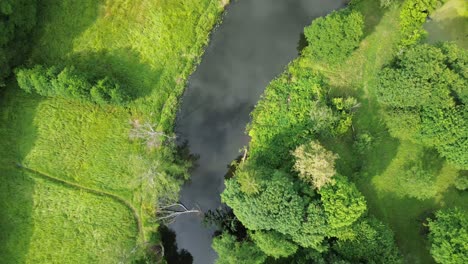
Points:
x=150 y=48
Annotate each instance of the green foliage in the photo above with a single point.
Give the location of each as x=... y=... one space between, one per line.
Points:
x=294 y=109
x=17 y=19
x=449 y=236
x=412 y=16
x=315 y=164
x=282 y=119
x=314 y=229
x=277 y=205
x=424 y=93
x=333 y=38
x=273 y=243
x=342 y=202
x=68 y=83
x=248 y=176
x=373 y=243
x=363 y=142
x=231 y=251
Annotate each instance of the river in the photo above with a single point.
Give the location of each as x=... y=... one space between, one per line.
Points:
x=253 y=44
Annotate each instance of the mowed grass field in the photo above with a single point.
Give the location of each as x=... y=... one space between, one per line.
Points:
x=150 y=47
x=388 y=156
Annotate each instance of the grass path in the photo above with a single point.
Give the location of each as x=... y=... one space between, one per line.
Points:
x=93 y=191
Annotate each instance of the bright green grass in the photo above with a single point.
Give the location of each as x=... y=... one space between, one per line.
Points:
x=150 y=47
x=357 y=77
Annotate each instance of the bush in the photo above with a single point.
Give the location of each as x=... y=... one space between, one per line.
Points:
x=68 y=83
x=461 y=183
x=412 y=16
x=423 y=91
x=332 y=38
x=448 y=234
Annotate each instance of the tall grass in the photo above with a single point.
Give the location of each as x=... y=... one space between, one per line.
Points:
x=150 y=47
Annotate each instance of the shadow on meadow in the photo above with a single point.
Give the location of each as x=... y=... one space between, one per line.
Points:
x=59 y=22
x=17 y=137
x=124 y=65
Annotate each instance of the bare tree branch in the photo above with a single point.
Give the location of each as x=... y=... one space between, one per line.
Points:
x=148 y=134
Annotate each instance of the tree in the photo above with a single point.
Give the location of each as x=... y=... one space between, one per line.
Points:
x=448 y=234
x=231 y=251
x=149 y=134
x=273 y=243
x=315 y=164
x=373 y=243
x=277 y=205
x=334 y=37
x=424 y=94
x=342 y=202
x=314 y=229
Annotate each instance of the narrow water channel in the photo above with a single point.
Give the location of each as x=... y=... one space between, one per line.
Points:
x=254 y=43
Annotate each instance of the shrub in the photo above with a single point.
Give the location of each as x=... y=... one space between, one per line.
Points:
x=68 y=83
x=461 y=183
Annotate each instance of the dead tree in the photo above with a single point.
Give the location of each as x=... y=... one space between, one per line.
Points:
x=148 y=134
x=172 y=211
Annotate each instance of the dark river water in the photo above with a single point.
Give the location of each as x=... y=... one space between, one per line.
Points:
x=253 y=44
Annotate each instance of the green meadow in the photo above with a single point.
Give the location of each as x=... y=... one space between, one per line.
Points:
x=74 y=187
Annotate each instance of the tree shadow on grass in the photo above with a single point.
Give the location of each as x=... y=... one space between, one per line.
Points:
x=59 y=23
x=372 y=13
x=17 y=137
x=453 y=29
x=406 y=217
x=124 y=65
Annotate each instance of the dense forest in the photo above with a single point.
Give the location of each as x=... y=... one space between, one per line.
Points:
x=358 y=151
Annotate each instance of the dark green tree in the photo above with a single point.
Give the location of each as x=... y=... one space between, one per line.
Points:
x=373 y=243
x=277 y=205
